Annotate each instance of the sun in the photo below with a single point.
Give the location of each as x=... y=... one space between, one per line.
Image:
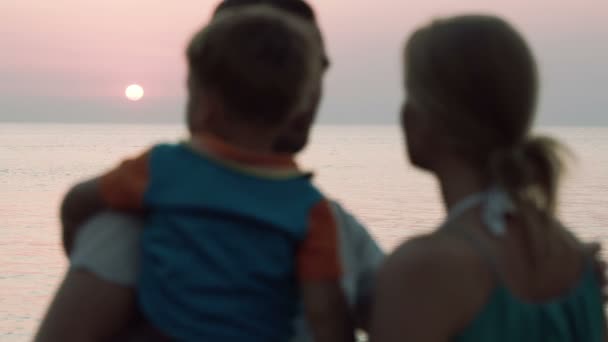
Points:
x=134 y=92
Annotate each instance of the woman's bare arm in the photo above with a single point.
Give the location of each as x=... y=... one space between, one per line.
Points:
x=426 y=291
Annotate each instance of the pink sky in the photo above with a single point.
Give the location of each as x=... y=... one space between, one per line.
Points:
x=95 y=48
x=71 y=55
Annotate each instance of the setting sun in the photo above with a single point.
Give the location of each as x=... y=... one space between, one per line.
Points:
x=134 y=92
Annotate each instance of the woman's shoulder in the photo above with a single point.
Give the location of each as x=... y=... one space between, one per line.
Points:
x=442 y=271
x=444 y=253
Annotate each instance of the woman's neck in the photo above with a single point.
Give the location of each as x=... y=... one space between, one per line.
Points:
x=457 y=181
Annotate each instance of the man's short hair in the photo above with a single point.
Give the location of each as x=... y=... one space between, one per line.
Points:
x=257 y=59
x=298 y=8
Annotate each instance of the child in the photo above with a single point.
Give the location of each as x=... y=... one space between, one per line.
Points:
x=231 y=226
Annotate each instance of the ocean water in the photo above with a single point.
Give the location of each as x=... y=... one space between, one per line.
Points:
x=364 y=167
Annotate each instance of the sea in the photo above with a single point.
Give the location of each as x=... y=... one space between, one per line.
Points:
x=363 y=167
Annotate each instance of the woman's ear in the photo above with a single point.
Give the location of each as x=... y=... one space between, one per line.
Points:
x=419 y=133
x=410 y=119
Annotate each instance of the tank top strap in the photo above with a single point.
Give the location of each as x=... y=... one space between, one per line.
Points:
x=482 y=251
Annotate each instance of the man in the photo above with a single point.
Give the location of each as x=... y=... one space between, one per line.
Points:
x=104 y=263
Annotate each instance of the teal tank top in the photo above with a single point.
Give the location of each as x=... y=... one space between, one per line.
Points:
x=576 y=316
x=217 y=257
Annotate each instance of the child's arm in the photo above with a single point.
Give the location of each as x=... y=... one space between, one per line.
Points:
x=325 y=305
x=121 y=189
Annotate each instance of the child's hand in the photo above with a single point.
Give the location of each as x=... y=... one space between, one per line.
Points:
x=122 y=189
x=80 y=204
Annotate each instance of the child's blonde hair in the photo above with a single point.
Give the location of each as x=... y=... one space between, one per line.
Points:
x=262 y=62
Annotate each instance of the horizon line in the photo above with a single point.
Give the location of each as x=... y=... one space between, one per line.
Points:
x=320 y=123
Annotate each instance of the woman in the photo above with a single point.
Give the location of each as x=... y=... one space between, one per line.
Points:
x=501 y=267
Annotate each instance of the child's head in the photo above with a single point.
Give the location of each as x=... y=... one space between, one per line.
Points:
x=295 y=137
x=472 y=85
x=253 y=67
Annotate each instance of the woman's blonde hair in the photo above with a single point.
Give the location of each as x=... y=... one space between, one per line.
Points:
x=477 y=77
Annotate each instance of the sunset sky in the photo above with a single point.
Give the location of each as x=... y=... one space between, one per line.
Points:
x=71 y=60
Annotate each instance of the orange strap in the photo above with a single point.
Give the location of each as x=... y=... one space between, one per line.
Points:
x=318 y=257
x=123 y=188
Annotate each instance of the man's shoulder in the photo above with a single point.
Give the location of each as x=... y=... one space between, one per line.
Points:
x=347 y=221
x=354 y=236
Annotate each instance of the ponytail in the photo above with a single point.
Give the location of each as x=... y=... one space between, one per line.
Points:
x=530 y=171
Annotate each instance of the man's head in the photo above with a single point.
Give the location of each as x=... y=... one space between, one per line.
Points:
x=256 y=66
x=296 y=135
x=298 y=8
